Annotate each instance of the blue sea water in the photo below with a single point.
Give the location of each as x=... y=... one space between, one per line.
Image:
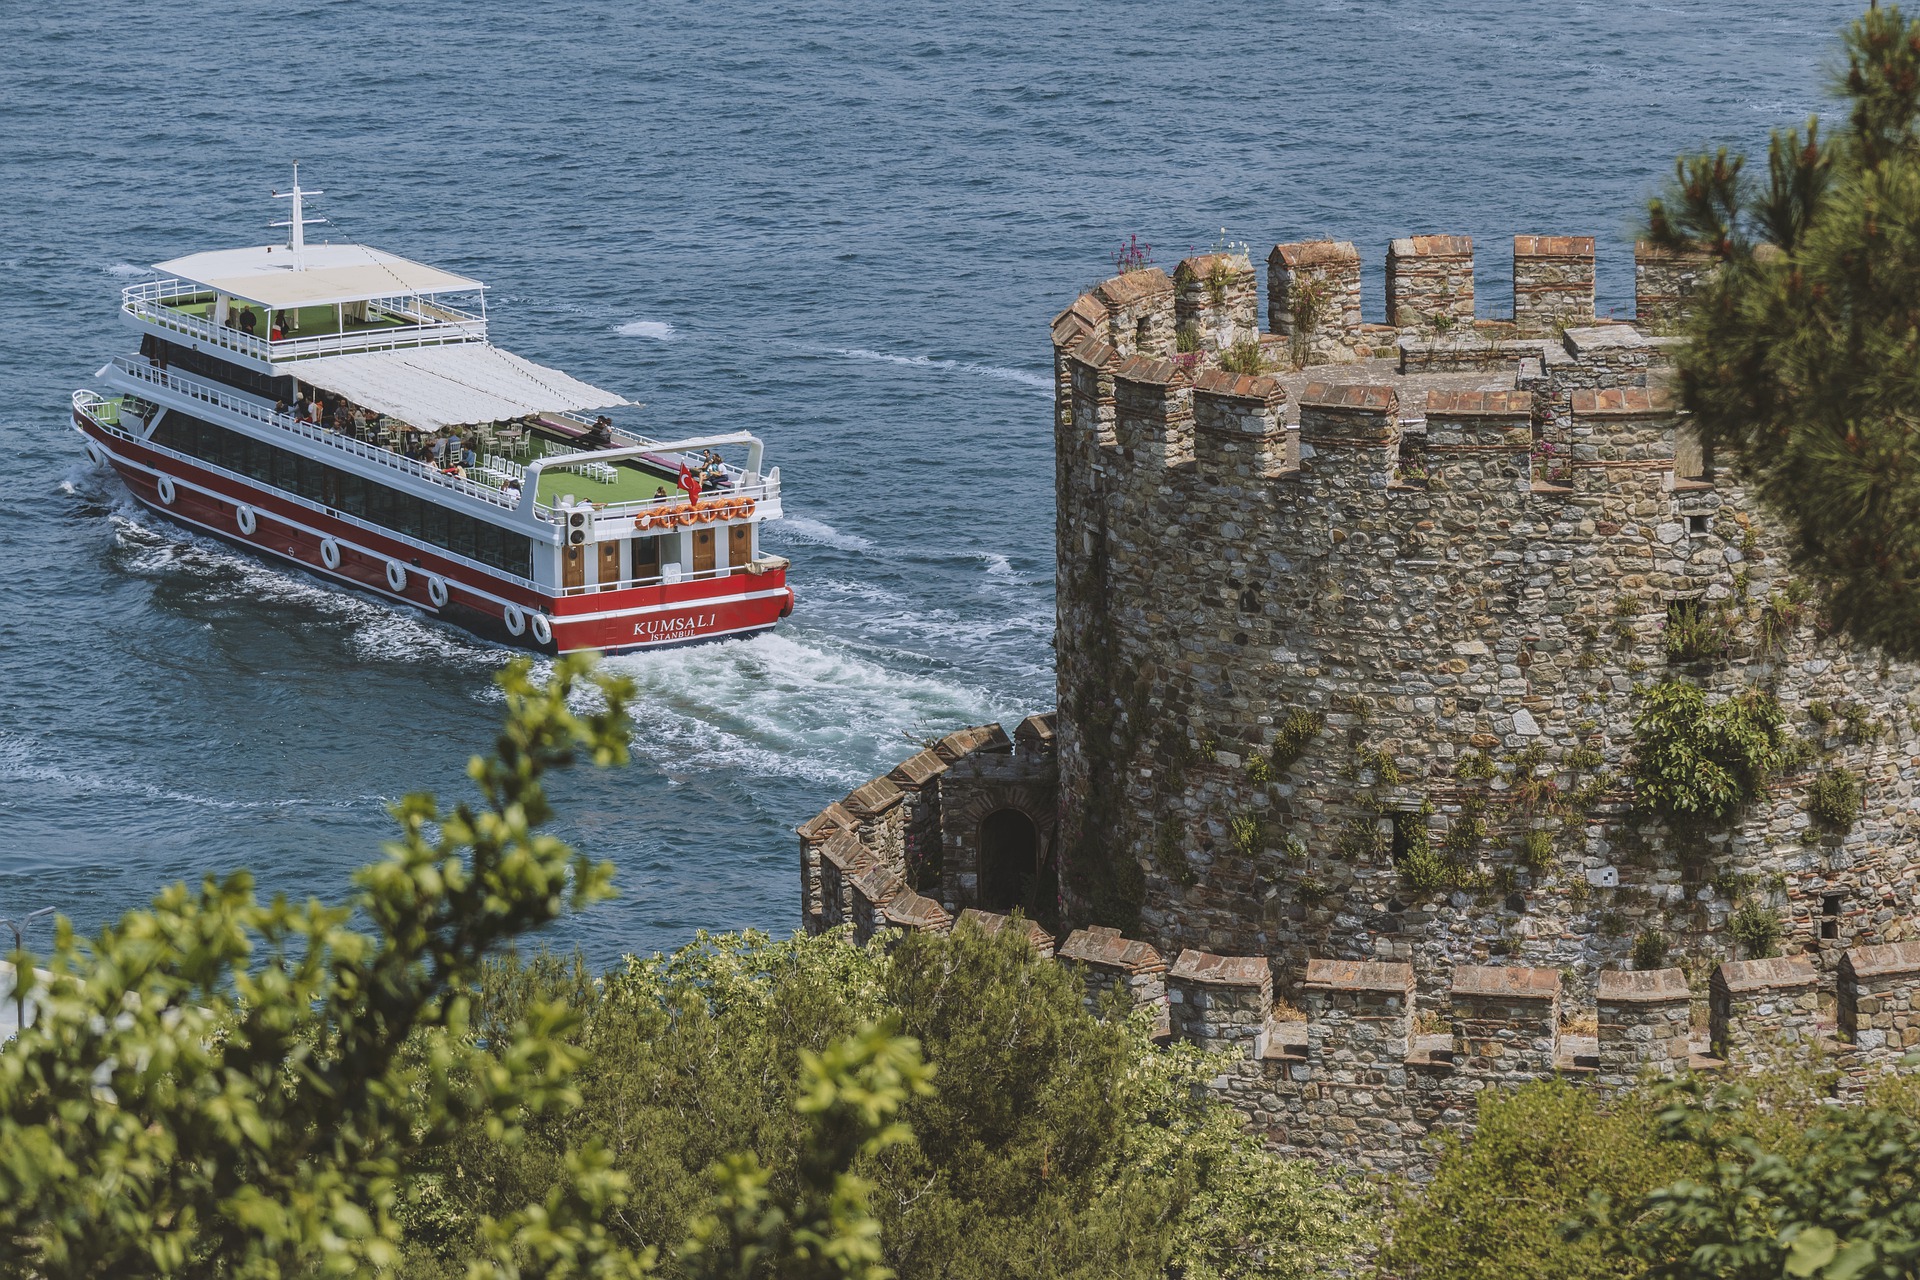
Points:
x=842 y=225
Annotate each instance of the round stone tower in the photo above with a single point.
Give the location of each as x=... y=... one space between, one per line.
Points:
x=1358 y=654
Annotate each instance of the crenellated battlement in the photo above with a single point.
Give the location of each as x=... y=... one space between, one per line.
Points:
x=1358 y=629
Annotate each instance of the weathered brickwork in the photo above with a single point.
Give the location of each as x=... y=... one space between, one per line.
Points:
x=1878 y=1012
x=1430 y=282
x=1350 y=654
x=1664 y=284
x=1645 y=1024
x=1216 y=302
x=1553 y=283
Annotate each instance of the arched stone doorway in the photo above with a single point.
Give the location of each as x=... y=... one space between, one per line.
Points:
x=1009 y=859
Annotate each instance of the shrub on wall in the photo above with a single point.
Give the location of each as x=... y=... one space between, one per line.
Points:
x=1296 y=734
x=1700 y=763
x=1756 y=928
x=1834 y=798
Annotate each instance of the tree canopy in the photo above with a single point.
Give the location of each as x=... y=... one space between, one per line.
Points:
x=217 y=1086
x=1803 y=353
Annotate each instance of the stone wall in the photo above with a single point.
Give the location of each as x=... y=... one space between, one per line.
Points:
x=1430 y=282
x=1553 y=283
x=1416 y=637
x=1664 y=284
x=1216 y=302
x=1356 y=1085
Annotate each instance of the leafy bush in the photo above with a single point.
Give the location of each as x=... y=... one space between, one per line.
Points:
x=1536 y=849
x=1834 y=798
x=1055 y=1144
x=1650 y=949
x=1693 y=634
x=1246 y=832
x=1497 y=1202
x=1699 y=763
x=1756 y=928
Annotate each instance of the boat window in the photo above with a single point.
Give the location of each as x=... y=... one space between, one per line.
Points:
x=344 y=491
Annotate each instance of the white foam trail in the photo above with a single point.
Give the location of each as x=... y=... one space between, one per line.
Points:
x=658 y=330
x=998 y=566
x=374 y=629
x=1020 y=376
x=126 y=269
x=817 y=532
x=787 y=705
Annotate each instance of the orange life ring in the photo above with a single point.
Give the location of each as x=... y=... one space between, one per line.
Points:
x=730 y=509
x=643 y=521
x=681 y=514
x=746 y=507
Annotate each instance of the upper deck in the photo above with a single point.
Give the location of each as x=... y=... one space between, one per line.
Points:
x=284 y=328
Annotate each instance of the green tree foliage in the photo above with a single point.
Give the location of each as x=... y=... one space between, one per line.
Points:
x=1056 y=1144
x=1497 y=1206
x=221 y=1087
x=1802 y=349
x=1840 y=1201
x=1696 y=762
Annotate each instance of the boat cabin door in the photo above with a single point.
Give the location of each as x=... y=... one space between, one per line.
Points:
x=573 y=567
x=609 y=565
x=703 y=550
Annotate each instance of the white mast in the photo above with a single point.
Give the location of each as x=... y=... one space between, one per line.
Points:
x=297 y=222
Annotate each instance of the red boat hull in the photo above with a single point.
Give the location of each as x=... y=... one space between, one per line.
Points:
x=645 y=617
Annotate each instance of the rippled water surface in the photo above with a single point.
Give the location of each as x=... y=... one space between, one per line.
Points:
x=843 y=226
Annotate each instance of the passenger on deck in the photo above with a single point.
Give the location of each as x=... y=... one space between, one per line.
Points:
x=660 y=493
x=602 y=434
x=300 y=406
x=277 y=329
x=247 y=321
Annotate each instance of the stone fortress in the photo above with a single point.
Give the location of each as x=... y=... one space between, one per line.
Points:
x=1356 y=628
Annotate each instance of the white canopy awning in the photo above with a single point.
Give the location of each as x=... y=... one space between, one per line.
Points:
x=328 y=273
x=458 y=385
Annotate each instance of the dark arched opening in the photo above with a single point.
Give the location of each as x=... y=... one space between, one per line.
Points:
x=1009 y=859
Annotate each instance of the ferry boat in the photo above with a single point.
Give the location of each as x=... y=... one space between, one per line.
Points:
x=340 y=408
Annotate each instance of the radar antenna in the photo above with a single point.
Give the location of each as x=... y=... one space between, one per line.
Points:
x=299 y=223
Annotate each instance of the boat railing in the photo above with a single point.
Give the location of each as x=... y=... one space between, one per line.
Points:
x=374 y=453
x=767 y=490
x=422 y=324
x=90 y=402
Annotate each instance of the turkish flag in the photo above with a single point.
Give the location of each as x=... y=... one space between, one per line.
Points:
x=691 y=483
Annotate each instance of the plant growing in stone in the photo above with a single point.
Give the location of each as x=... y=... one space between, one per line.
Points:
x=1650 y=949
x=1309 y=299
x=1833 y=798
x=1186 y=339
x=1246 y=832
x=1700 y=763
x=1134 y=255
x=1296 y=733
x=1169 y=856
x=1693 y=634
x=1536 y=850
x=1756 y=928
x=1259 y=769
x=1219 y=279
x=1243 y=357
x=1475 y=766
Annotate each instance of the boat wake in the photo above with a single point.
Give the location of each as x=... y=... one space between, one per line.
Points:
x=659 y=330
x=813 y=532
x=787 y=705
x=1020 y=376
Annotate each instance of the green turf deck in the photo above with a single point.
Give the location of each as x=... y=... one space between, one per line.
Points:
x=633 y=484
